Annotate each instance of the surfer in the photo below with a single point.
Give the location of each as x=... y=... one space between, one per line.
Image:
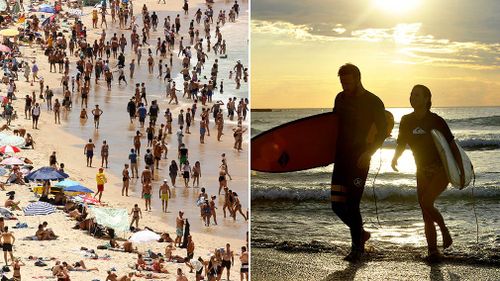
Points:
x=357 y=110
x=415 y=130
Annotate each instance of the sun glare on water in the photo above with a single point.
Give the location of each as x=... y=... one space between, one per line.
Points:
x=397 y=6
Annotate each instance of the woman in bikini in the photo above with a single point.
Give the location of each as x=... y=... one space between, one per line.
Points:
x=237 y=206
x=196 y=173
x=137 y=142
x=222 y=178
x=16 y=266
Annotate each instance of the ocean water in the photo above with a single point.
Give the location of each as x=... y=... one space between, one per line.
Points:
x=291 y=212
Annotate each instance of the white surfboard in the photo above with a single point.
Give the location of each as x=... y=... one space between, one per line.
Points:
x=449 y=163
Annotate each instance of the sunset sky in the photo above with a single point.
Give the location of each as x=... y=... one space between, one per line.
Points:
x=452 y=46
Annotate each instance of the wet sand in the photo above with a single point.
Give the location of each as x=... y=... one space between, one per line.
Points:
x=271 y=265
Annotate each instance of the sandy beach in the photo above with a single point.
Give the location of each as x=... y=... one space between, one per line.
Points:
x=270 y=264
x=69 y=139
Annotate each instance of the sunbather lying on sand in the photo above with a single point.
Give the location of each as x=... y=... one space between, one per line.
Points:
x=158 y=266
x=113 y=277
x=78 y=266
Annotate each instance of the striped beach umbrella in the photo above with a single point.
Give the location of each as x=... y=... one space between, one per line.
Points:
x=39 y=209
x=9 y=149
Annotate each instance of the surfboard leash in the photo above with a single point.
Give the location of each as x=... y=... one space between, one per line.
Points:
x=474 y=204
x=373 y=188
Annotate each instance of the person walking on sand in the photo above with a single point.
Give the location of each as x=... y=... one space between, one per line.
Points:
x=133 y=163
x=237 y=206
x=57 y=112
x=97 y=112
x=88 y=150
x=227 y=260
x=165 y=195
x=104 y=154
x=137 y=142
x=7 y=240
x=196 y=174
x=136 y=213
x=357 y=110
x=222 y=178
x=126 y=180
x=238 y=137
x=179 y=229
x=186 y=172
x=212 y=208
x=146 y=194
x=226 y=168
x=173 y=169
x=100 y=180
x=244 y=264
x=35 y=114
x=415 y=130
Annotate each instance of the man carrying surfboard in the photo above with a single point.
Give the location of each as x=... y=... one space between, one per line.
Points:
x=415 y=130
x=362 y=130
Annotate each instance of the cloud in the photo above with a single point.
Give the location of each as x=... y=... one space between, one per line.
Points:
x=407 y=39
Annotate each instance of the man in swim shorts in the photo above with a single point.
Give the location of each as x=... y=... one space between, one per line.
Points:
x=7 y=240
x=146 y=194
x=165 y=194
x=88 y=150
x=244 y=263
x=179 y=228
x=227 y=260
x=97 y=112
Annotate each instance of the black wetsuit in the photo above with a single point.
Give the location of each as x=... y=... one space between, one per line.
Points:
x=356 y=115
x=417 y=134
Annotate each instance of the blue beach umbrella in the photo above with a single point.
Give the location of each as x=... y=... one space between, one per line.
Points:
x=73 y=186
x=39 y=208
x=46 y=173
x=46 y=9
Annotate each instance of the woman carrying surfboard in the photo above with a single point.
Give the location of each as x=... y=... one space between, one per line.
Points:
x=415 y=130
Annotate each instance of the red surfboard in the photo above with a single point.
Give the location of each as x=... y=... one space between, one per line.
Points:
x=302 y=144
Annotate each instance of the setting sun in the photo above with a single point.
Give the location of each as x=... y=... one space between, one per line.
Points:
x=397 y=6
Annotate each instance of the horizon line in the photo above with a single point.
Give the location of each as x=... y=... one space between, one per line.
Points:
x=272 y=108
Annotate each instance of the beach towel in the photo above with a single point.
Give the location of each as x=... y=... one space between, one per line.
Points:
x=33 y=237
x=20 y=225
x=109 y=217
